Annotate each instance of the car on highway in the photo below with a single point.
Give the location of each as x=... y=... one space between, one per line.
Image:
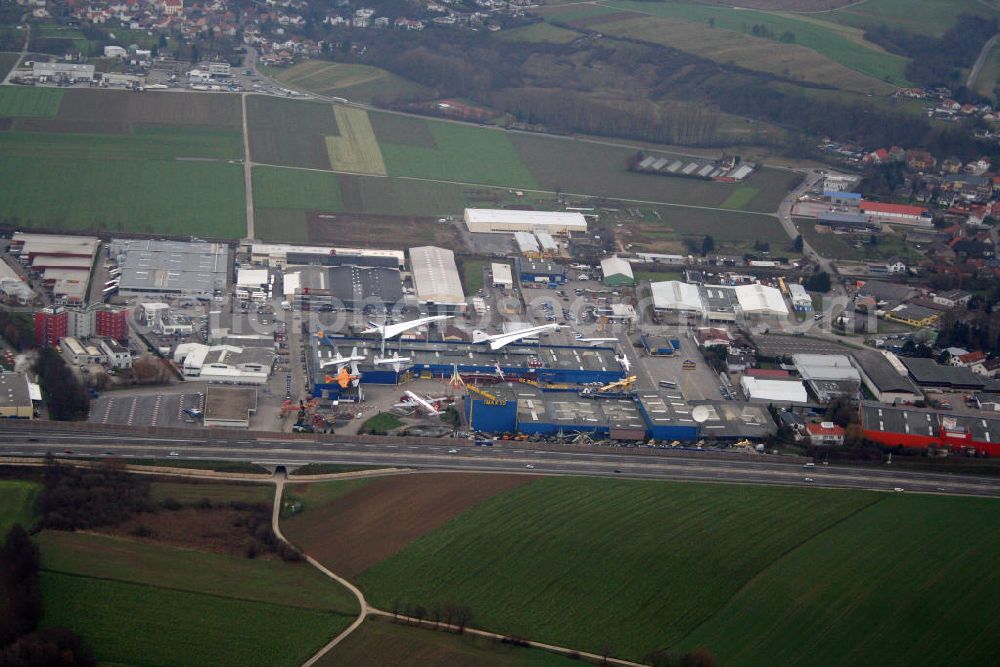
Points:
x=453 y=451
x=809 y=465
x=174 y=454
x=898 y=489
x=809 y=479
x=529 y=466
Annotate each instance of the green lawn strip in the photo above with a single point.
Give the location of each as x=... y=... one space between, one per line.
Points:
x=472 y=274
x=275 y=187
x=640 y=564
x=144 y=196
x=544 y=33
x=217 y=492
x=144 y=625
x=261 y=580
x=17 y=102
x=18 y=504
x=740 y=198
x=380 y=423
x=7 y=62
x=464 y=154
x=198 y=464
x=895 y=584
x=658 y=276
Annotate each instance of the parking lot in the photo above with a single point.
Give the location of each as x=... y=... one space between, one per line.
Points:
x=146 y=409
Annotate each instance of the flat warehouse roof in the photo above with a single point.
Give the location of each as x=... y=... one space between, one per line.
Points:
x=537 y=218
x=918 y=421
x=229 y=403
x=435 y=275
x=569 y=409
x=502 y=273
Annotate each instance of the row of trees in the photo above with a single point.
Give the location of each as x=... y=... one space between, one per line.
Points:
x=568 y=111
x=65 y=396
x=22 y=644
x=82 y=498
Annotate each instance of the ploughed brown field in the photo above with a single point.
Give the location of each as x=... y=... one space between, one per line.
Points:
x=367 y=525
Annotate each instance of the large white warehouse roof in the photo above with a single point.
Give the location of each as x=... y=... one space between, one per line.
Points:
x=760 y=300
x=611 y=266
x=783 y=391
x=511 y=220
x=675 y=295
x=435 y=276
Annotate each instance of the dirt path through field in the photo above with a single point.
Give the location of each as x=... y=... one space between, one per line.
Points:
x=247 y=169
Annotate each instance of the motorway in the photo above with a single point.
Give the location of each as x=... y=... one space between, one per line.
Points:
x=511 y=457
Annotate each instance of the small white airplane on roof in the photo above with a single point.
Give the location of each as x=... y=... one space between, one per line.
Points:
x=498 y=341
x=340 y=361
x=626 y=364
x=499 y=371
x=594 y=342
x=428 y=405
x=397 y=362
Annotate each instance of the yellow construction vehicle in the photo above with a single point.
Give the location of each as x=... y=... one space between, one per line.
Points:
x=620 y=386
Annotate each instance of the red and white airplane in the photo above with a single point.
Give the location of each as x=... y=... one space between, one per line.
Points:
x=431 y=406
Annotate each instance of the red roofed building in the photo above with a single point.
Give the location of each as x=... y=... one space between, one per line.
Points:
x=825 y=433
x=773 y=373
x=899 y=214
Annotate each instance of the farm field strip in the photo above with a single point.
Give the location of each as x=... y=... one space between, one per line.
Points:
x=145 y=144
x=691 y=547
x=17 y=102
x=359 y=83
x=830 y=41
x=129 y=623
x=355 y=149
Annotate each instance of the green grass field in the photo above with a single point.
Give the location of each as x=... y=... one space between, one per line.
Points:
x=544 y=33
x=461 y=153
x=17 y=504
x=472 y=274
x=924 y=17
x=152 y=196
x=740 y=198
x=759 y=575
x=135 y=603
x=358 y=83
x=892 y=585
x=275 y=187
x=687 y=25
x=640 y=564
x=16 y=102
x=381 y=423
x=838 y=246
x=382 y=642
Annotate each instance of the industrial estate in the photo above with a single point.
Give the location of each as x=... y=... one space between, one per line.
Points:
x=438 y=333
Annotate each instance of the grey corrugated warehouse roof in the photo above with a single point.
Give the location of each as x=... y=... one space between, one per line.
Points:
x=435 y=276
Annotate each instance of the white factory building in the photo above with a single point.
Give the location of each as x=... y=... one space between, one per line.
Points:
x=283 y=254
x=675 y=296
x=499 y=221
x=773 y=391
x=436 y=280
x=760 y=301
x=224 y=363
x=503 y=278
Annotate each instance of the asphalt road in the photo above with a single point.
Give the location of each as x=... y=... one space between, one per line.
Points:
x=468 y=457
